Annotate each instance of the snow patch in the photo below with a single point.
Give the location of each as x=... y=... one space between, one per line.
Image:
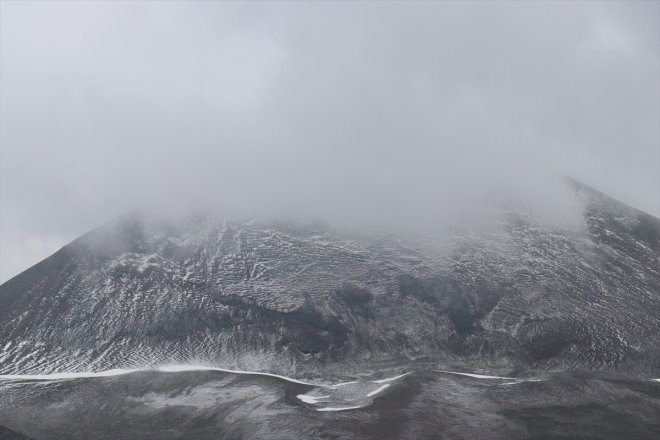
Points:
x=344 y=383
x=311 y=399
x=346 y=408
x=477 y=376
x=390 y=379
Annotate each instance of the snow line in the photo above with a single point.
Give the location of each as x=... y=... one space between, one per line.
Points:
x=178 y=368
x=478 y=376
x=346 y=408
x=163 y=369
x=390 y=379
x=374 y=392
x=167 y=369
x=56 y=376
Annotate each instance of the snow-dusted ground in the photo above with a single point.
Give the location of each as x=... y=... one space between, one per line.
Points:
x=65 y=376
x=182 y=400
x=355 y=394
x=324 y=396
x=512 y=380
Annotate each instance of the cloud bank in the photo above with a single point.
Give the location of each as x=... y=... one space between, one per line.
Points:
x=343 y=110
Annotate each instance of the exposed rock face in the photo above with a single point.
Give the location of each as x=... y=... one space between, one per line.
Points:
x=523 y=295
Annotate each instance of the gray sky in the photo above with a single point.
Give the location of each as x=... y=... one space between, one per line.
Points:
x=346 y=109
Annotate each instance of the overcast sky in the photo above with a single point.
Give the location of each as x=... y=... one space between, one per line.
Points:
x=317 y=108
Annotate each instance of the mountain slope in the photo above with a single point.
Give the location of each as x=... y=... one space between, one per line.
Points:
x=304 y=299
x=423 y=404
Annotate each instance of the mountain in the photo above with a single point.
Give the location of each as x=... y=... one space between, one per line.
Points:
x=201 y=327
x=517 y=297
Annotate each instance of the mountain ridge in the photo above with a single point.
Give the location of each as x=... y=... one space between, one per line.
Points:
x=308 y=299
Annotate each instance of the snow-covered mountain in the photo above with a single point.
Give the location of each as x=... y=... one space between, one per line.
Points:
x=521 y=295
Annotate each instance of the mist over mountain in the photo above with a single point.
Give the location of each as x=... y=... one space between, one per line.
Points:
x=342 y=220
x=359 y=113
x=276 y=296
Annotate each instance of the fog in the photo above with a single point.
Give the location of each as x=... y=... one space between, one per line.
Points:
x=349 y=111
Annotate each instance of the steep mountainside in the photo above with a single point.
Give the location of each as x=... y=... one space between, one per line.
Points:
x=520 y=296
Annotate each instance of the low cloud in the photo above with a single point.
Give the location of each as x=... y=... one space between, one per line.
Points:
x=360 y=111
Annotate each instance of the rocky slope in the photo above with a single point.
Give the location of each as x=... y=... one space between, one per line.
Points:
x=521 y=295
